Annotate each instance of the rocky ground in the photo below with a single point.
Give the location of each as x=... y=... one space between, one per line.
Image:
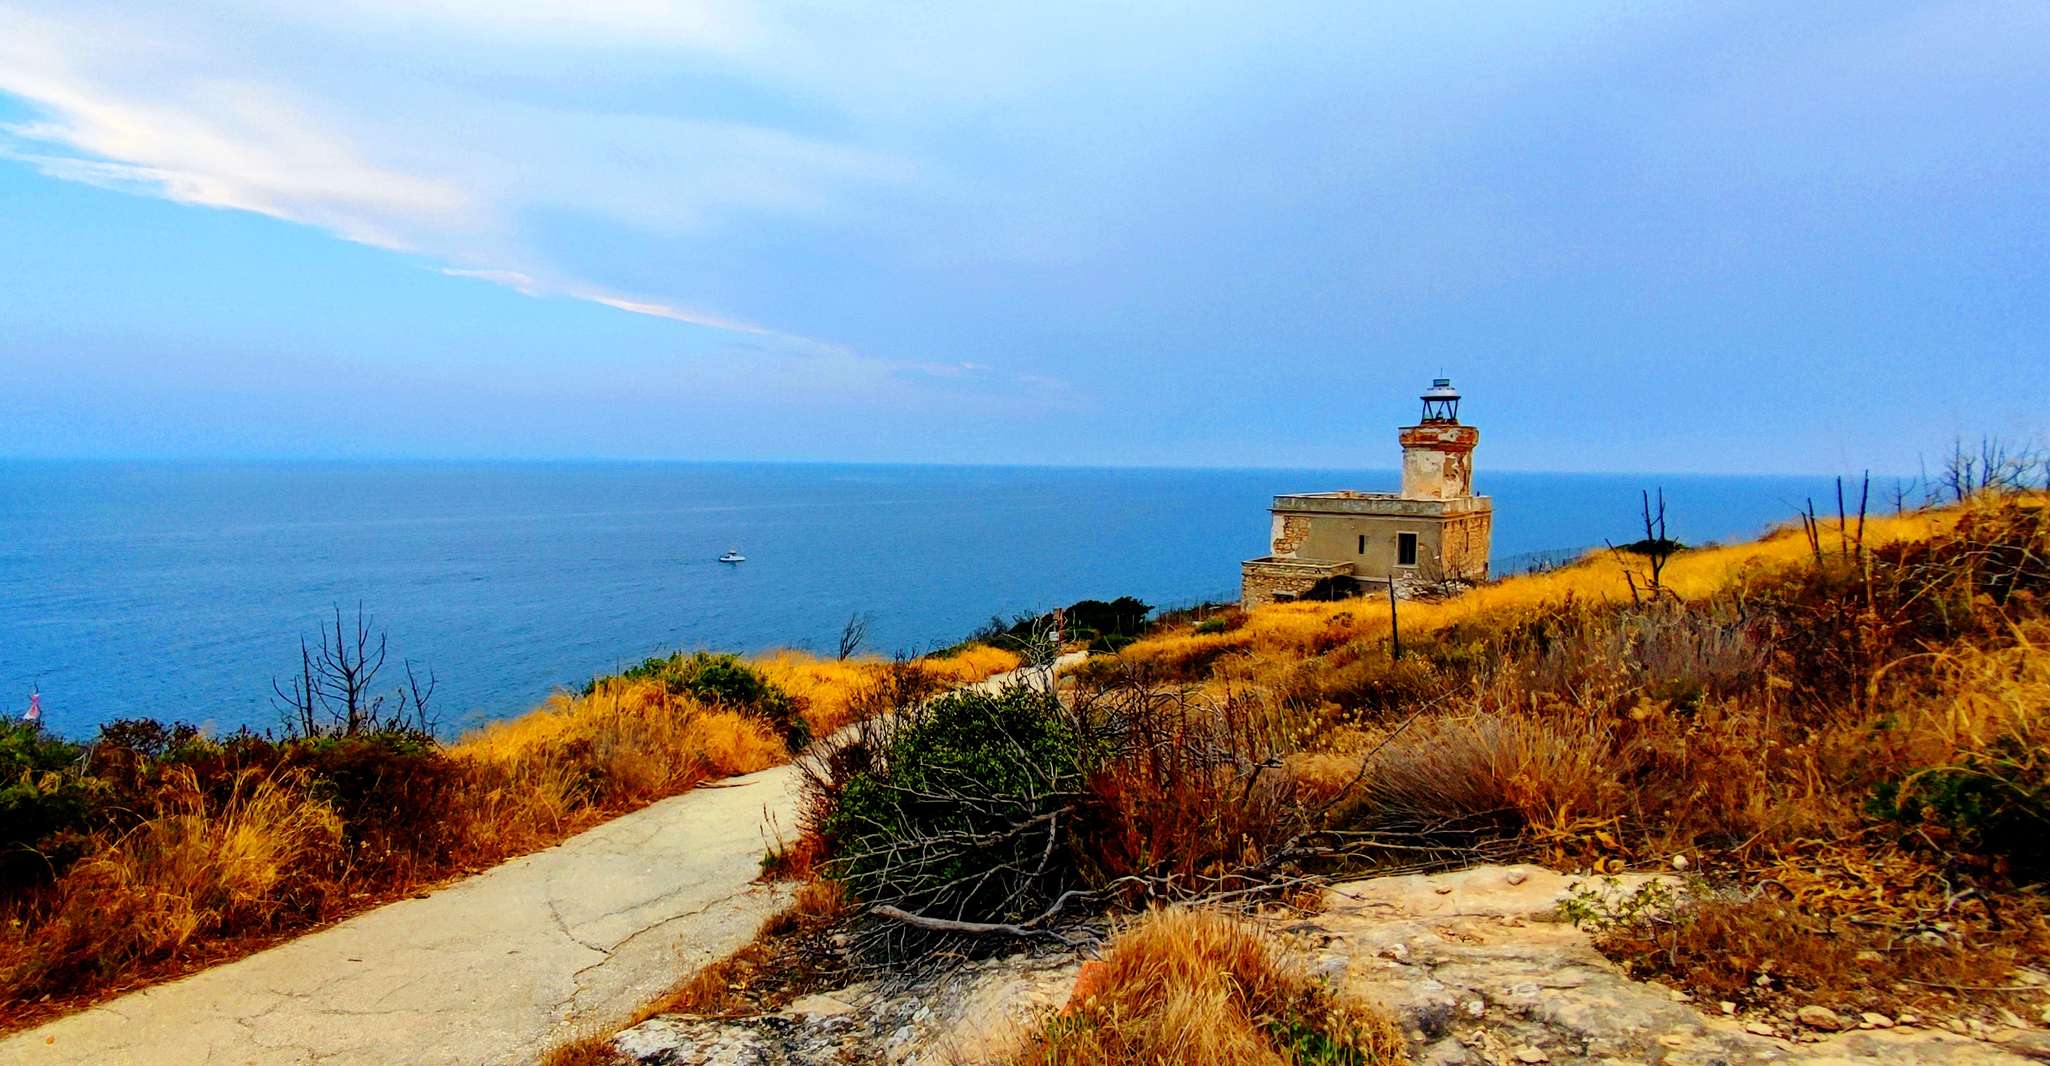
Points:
x=1476 y=964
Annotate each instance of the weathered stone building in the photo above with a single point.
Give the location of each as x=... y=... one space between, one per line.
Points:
x=1328 y=545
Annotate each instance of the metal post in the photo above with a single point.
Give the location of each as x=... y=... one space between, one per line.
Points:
x=1394 y=625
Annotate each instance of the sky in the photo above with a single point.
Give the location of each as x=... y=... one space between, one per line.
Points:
x=1722 y=238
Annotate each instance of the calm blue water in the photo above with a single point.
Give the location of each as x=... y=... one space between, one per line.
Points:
x=179 y=590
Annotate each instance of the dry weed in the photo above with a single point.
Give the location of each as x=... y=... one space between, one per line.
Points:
x=1202 y=988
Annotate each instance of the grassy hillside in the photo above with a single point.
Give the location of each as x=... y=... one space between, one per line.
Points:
x=1837 y=741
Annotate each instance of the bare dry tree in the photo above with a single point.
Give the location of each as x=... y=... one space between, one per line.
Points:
x=1656 y=548
x=1995 y=465
x=853 y=634
x=334 y=692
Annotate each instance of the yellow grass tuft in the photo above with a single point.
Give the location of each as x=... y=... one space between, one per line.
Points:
x=203 y=865
x=1202 y=988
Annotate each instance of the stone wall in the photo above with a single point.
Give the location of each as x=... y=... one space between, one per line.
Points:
x=1464 y=543
x=1289 y=533
x=1263 y=581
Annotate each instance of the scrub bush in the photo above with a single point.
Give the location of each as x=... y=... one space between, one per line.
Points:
x=956 y=807
x=724 y=680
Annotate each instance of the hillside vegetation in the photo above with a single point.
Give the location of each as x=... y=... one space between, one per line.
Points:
x=1835 y=739
x=153 y=849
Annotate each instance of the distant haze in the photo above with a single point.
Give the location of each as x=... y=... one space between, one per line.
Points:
x=1740 y=238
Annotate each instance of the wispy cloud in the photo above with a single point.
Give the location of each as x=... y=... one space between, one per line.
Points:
x=184 y=111
x=677 y=314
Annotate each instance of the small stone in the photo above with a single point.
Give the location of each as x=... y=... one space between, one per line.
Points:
x=1443 y=890
x=1875 y=1020
x=1397 y=951
x=1679 y=862
x=1867 y=955
x=1760 y=1029
x=1447 y=1052
x=1815 y=1016
x=1516 y=877
x=1475 y=1008
x=2011 y=1019
x=1532 y=1054
x=1905 y=1019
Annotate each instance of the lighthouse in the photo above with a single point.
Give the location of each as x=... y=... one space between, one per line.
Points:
x=1433 y=535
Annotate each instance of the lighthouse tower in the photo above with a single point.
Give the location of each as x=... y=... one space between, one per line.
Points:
x=1437 y=452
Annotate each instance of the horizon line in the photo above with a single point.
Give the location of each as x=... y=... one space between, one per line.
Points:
x=587 y=460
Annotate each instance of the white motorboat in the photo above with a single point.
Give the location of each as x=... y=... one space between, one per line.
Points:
x=733 y=556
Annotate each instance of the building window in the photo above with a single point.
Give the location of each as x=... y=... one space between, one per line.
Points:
x=1363 y=544
x=1405 y=549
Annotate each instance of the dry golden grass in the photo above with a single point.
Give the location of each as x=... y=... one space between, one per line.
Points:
x=830 y=689
x=1546 y=773
x=629 y=742
x=593 y=1050
x=203 y=865
x=1202 y=988
x=1986 y=699
x=826 y=687
x=1288 y=629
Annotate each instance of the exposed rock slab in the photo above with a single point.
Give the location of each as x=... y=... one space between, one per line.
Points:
x=961 y=1014
x=1476 y=964
x=1481 y=970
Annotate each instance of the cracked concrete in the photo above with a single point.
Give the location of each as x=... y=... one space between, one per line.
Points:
x=492 y=969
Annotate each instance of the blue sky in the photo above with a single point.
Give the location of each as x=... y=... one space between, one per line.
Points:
x=1732 y=238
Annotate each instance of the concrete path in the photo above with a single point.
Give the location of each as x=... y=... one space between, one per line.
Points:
x=493 y=969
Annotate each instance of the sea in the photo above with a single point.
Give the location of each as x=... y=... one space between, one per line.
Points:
x=181 y=590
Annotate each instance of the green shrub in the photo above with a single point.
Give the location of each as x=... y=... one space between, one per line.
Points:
x=958 y=810
x=1996 y=805
x=46 y=805
x=725 y=680
x=1110 y=643
x=1103 y=625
